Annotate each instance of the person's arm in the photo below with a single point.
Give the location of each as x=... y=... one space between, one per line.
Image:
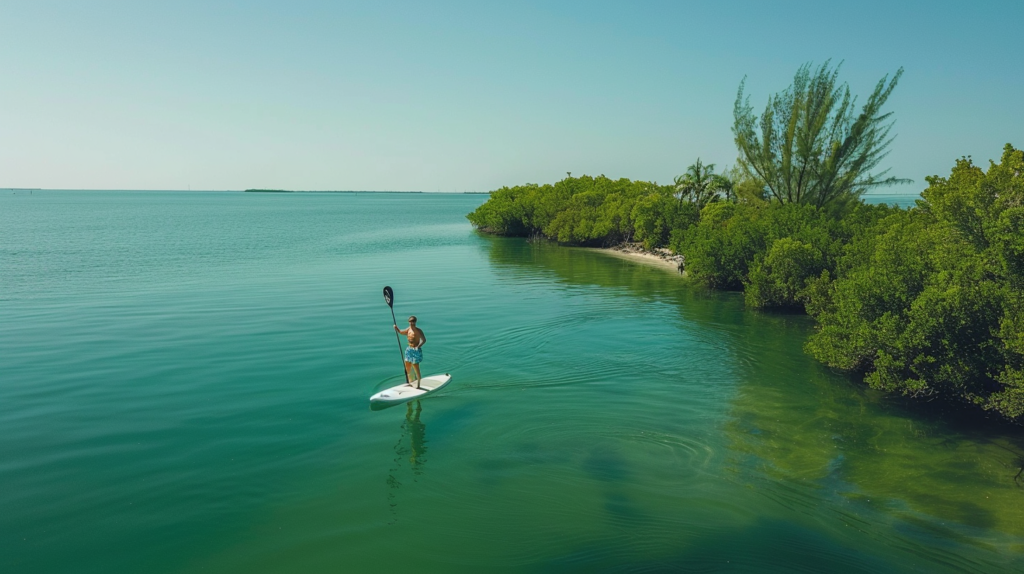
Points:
x=402 y=331
x=423 y=340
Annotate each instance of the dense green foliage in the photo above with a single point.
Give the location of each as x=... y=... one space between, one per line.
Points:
x=928 y=302
x=774 y=250
x=586 y=211
x=810 y=144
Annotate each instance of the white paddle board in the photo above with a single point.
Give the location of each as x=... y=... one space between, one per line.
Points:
x=404 y=392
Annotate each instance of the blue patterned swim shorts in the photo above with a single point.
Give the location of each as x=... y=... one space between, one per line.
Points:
x=414 y=356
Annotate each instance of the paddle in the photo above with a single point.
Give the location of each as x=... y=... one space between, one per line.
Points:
x=389 y=298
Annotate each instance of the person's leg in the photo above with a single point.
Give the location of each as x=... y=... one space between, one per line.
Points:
x=408 y=371
x=419 y=377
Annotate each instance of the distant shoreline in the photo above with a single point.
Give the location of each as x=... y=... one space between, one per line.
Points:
x=364 y=191
x=15 y=189
x=320 y=191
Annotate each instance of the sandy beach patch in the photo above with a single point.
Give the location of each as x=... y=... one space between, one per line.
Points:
x=665 y=261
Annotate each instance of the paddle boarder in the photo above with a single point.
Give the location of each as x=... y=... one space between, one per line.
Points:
x=414 y=352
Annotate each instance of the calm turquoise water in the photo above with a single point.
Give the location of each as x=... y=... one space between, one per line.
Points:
x=184 y=382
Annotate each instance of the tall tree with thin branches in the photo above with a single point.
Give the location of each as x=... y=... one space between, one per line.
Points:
x=811 y=145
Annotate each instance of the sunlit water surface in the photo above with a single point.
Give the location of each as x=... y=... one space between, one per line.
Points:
x=184 y=381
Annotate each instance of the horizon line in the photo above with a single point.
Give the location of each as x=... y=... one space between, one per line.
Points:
x=239 y=190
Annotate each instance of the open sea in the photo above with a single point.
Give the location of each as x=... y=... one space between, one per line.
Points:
x=184 y=383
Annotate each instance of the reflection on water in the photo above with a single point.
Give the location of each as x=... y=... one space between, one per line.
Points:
x=862 y=450
x=411 y=450
x=814 y=436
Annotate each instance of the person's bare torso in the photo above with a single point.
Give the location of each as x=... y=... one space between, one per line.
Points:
x=415 y=336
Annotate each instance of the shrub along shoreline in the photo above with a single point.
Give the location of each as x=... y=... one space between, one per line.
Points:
x=925 y=301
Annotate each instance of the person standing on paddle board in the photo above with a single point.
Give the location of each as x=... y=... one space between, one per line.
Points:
x=413 y=353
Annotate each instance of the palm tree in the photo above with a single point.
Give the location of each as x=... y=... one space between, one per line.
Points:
x=701 y=185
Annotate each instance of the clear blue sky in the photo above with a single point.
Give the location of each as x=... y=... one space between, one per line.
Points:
x=457 y=96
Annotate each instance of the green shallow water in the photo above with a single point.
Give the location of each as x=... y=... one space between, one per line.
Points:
x=184 y=381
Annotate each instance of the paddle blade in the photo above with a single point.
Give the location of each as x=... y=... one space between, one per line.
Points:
x=389 y=296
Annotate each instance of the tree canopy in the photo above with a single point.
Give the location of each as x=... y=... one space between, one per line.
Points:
x=929 y=302
x=586 y=211
x=811 y=145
